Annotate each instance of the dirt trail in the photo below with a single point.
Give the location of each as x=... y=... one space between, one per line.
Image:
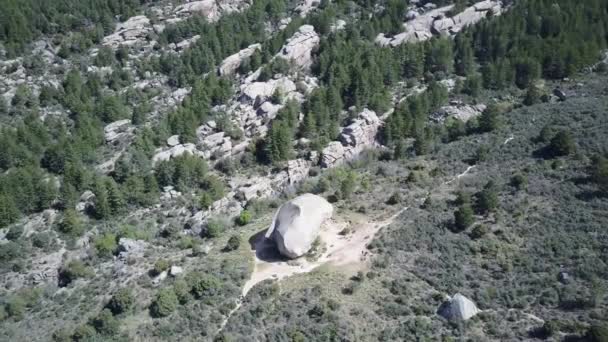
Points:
x=338 y=250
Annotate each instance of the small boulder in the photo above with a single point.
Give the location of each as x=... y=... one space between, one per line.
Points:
x=297 y=223
x=175 y=270
x=458 y=308
x=173 y=140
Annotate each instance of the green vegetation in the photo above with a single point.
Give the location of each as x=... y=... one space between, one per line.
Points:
x=122 y=301
x=164 y=304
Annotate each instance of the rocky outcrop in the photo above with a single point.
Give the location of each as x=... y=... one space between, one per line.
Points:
x=458 y=308
x=306 y=6
x=210 y=9
x=359 y=135
x=297 y=223
x=470 y=16
x=259 y=92
x=435 y=21
x=458 y=111
x=118 y=131
x=129 y=32
x=232 y=63
x=176 y=151
x=298 y=49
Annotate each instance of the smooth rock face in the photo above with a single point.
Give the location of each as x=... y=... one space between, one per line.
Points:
x=297 y=223
x=458 y=308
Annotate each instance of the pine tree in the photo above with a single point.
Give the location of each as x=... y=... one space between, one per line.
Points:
x=102 y=203
x=489 y=119
x=8 y=211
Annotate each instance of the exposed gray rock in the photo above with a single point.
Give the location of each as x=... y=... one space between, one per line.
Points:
x=177 y=151
x=297 y=223
x=261 y=91
x=435 y=21
x=118 y=131
x=298 y=48
x=173 y=140
x=130 y=247
x=297 y=170
x=231 y=63
x=175 y=271
x=130 y=32
x=458 y=308
x=210 y=9
x=359 y=135
x=458 y=111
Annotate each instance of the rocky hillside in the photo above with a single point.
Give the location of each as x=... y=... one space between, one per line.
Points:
x=147 y=147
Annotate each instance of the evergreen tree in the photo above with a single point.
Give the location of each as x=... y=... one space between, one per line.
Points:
x=8 y=210
x=489 y=119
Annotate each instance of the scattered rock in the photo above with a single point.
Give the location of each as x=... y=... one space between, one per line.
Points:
x=130 y=247
x=159 y=278
x=297 y=223
x=561 y=95
x=175 y=271
x=458 y=308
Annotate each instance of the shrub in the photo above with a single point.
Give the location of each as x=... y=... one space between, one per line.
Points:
x=83 y=333
x=561 y=144
x=478 y=231
x=233 y=243
x=164 y=303
x=598 y=333
x=487 y=199
x=73 y=270
x=105 y=323
x=599 y=172
x=15 y=307
x=519 y=181
x=182 y=291
x=10 y=251
x=71 y=223
x=14 y=233
x=122 y=301
x=214 y=228
x=106 y=244
x=394 y=199
x=160 y=266
x=243 y=218
x=205 y=201
x=205 y=285
x=463 y=217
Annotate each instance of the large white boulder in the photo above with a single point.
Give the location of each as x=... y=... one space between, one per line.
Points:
x=297 y=223
x=458 y=308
